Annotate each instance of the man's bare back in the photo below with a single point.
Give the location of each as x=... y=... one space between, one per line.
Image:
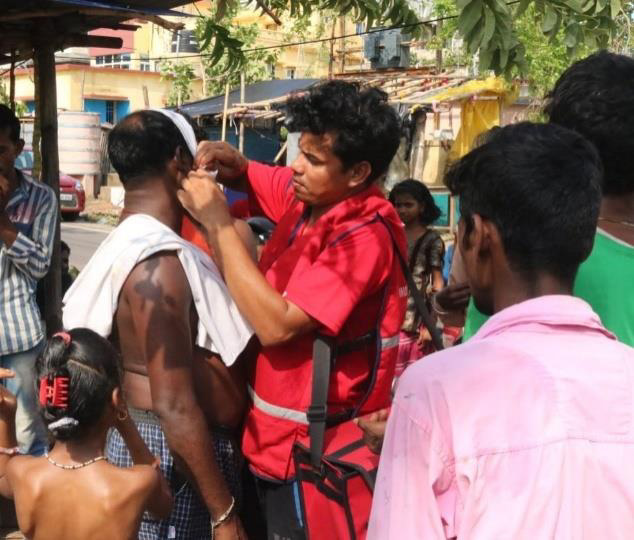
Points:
x=220 y=391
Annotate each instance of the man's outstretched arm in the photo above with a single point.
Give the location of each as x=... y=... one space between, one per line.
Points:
x=160 y=301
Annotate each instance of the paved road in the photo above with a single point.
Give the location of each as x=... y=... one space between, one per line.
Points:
x=83 y=239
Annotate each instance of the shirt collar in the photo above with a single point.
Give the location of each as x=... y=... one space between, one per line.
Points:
x=22 y=191
x=549 y=311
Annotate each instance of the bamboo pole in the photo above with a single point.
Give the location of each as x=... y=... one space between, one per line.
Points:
x=224 y=112
x=242 y=92
x=12 y=82
x=45 y=64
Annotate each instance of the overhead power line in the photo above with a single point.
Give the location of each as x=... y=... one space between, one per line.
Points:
x=298 y=43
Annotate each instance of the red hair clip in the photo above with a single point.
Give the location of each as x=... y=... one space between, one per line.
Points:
x=54 y=391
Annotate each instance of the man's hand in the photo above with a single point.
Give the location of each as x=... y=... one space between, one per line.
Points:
x=454 y=297
x=8 y=402
x=203 y=198
x=224 y=158
x=373 y=426
x=230 y=530
x=423 y=336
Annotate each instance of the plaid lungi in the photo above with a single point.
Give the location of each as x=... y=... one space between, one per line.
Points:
x=189 y=519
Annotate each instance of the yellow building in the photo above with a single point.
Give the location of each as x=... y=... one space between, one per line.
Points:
x=116 y=82
x=111 y=92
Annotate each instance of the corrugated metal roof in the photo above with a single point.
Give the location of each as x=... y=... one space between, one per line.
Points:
x=259 y=91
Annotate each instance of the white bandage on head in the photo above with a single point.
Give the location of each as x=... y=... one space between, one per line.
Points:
x=184 y=127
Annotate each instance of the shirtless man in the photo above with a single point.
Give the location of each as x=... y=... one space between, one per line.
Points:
x=174 y=388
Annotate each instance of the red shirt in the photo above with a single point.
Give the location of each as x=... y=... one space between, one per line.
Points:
x=343 y=273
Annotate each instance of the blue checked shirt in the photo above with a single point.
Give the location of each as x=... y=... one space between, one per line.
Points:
x=33 y=210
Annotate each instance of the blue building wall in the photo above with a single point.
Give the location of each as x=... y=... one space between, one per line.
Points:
x=121 y=108
x=96 y=106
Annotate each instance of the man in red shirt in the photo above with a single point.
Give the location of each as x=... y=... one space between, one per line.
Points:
x=329 y=268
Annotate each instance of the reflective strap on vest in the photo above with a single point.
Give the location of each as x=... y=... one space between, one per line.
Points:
x=293 y=415
x=276 y=411
x=389 y=342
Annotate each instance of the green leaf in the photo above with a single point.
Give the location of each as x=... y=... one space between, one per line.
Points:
x=588 y=6
x=470 y=17
x=489 y=26
x=615 y=8
x=522 y=7
x=570 y=35
x=550 y=19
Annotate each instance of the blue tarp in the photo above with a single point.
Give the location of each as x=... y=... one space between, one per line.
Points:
x=258 y=91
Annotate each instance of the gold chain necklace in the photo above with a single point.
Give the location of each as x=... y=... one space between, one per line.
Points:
x=76 y=466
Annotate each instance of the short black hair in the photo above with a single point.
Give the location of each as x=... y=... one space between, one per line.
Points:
x=421 y=194
x=540 y=185
x=364 y=126
x=9 y=122
x=63 y=246
x=93 y=367
x=142 y=143
x=595 y=97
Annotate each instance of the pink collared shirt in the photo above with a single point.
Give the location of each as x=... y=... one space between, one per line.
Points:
x=524 y=432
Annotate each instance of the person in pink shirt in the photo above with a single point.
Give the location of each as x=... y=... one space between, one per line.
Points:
x=527 y=430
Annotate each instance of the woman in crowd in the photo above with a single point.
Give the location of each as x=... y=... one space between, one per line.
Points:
x=417 y=209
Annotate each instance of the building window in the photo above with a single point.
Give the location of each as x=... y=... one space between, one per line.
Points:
x=144 y=62
x=290 y=73
x=360 y=28
x=116 y=61
x=271 y=71
x=110 y=117
x=184 y=41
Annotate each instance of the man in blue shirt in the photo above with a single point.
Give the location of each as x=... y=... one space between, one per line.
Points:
x=28 y=211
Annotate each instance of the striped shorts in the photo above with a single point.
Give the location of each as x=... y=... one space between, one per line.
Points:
x=189 y=519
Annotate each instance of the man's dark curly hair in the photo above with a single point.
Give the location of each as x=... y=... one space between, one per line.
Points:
x=595 y=97
x=366 y=128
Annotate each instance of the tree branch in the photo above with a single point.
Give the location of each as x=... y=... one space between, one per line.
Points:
x=267 y=10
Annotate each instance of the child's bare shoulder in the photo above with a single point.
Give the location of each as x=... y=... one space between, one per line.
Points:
x=19 y=465
x=137 y=478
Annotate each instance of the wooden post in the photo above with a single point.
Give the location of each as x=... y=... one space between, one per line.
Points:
x=242 y=98
x=342 y=68
x=331 y=60
x=12 y=83
x=37 y=132
x=146 y=97
x=45 y=53
x=224 y=112
x=437 y=31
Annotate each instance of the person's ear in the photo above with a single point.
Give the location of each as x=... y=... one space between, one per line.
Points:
x=183 y=160
x=475 y=242
x=358 y=174
x=118 y=401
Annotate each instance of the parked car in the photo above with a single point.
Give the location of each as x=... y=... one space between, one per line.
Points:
x=72 y=197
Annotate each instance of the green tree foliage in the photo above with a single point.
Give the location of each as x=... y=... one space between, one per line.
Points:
x=488 y=26
x=20 y=108
x=181 y=74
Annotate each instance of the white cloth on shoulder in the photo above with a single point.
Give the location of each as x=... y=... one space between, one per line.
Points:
x=91 y=301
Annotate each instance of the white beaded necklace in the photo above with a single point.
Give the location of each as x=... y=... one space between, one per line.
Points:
x=76 y=466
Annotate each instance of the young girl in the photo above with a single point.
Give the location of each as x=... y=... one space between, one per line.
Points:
x=417 y=209
x=73 y=493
